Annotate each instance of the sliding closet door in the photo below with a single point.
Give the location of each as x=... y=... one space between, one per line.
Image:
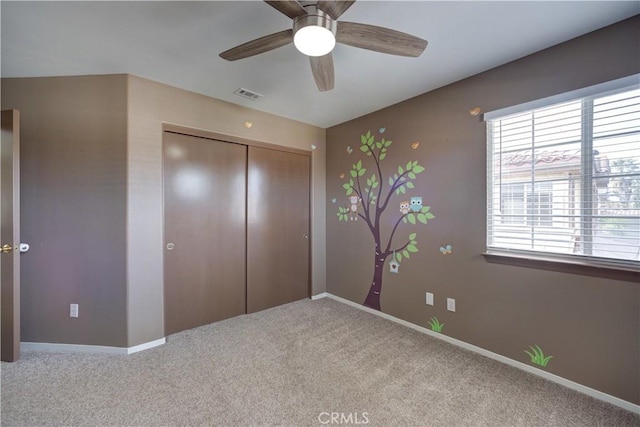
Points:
x=204 y=231
x=277 y=229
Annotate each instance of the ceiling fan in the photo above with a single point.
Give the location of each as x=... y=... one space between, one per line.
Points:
x=316 y=30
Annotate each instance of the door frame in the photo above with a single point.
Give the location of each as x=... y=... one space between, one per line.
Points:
x=224 y=137
x=10 y=289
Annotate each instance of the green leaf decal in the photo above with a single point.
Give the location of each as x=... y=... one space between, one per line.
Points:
x=363 y=139
x=353 y=173
x=537 y=356
x=410 y=184
x=400 y=170
x=429 y=215
x=383 y=156
x=411 y=175
x=390 y=180
x=412 y=248
x=422 y=218
x=435 y=324
x=418 y=169
x=364 y=148
x=412 y=236
x=405 y=254
x=398 y=257
x=346 y=186
x=412 y=218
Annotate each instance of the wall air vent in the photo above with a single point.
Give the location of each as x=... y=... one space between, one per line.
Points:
x=249 y=94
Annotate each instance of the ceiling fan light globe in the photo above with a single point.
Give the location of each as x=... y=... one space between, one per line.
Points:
x=314 y=40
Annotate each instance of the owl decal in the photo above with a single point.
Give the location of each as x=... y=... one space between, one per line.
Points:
x=416 y=203
x=404 y=208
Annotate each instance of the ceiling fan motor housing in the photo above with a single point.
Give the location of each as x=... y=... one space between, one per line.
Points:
x=313 y=19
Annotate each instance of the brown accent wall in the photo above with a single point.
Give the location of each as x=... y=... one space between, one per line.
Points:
x=73 y=207
x=150 y=104
x=591 y=325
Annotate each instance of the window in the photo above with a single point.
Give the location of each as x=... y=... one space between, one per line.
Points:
x=563 y=176
x=521 y=205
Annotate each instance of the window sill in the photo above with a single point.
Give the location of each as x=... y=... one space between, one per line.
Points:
x=622 y=272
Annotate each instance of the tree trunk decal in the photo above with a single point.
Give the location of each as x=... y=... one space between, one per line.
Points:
x=369 y=198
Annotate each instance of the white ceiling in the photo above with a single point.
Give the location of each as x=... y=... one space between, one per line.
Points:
x=178 y=43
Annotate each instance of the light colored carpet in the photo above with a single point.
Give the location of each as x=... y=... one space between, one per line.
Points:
x=292 y=365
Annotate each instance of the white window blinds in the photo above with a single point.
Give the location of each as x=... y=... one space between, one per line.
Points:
x=564 y=179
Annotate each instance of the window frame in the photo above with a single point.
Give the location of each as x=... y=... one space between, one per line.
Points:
x=545 y=259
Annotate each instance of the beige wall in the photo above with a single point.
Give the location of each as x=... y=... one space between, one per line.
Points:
x=92 y=199
x=591 y=325
x=73 y=207
x=151 y=104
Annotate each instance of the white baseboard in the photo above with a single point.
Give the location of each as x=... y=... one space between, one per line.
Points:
x=495 y=356
x=322 y=295
x=146 y=345
x=81 y=348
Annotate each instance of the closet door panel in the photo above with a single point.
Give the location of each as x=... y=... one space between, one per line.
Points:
x=278 y=228
x=205 y=231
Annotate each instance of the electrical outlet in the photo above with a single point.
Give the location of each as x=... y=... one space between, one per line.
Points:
x=451 y=304
x=73 y=310
x=429 y=298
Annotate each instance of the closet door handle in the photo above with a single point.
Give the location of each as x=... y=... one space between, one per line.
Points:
x=170 y=246
x=305 y=235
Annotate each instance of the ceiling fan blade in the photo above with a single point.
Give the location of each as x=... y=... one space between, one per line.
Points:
x=290 y=8
x=257 y=46
x=379 y=39
x=322 y=69
x=334 y=8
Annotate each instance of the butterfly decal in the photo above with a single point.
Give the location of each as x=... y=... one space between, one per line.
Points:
x=446 y=249
x=349 y=149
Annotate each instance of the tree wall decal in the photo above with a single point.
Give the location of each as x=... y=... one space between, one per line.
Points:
x=372 y=196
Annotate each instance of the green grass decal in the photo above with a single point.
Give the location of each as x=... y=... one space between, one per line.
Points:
x=436 y=325
x=538 y=356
